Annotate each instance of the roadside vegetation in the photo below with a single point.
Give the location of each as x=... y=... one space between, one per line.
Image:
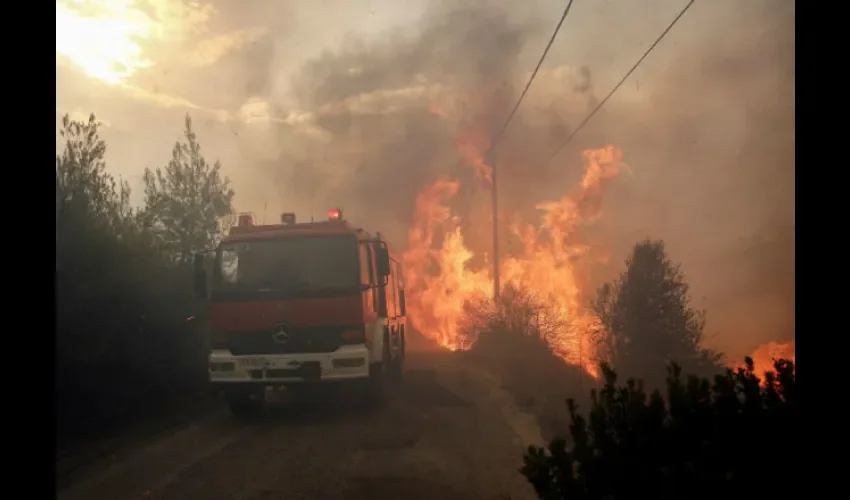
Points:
x=515 y=339
x=662 y=434
x=730 y=438
x=648 y=319
x=124 y=347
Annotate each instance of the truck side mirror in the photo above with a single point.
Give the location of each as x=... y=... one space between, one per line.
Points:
x=382 y=256
x=402 y=307
x=200 y=275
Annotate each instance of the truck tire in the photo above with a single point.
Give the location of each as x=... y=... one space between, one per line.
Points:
x=242 y=405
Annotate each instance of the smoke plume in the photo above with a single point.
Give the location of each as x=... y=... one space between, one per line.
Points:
x=707 y=126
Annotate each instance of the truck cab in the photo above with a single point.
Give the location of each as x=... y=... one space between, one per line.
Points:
x=298 y=304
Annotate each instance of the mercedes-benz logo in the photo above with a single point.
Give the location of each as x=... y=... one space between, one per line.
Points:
x=281 y=333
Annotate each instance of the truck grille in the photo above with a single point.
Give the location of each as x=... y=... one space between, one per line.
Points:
x=301 y=340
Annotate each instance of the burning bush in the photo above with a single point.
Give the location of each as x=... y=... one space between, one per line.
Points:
x=448 y=292
x=518 y=337
x=634 y=445
x=518 y=315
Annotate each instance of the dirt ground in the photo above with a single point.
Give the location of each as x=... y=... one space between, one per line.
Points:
x=449 y=431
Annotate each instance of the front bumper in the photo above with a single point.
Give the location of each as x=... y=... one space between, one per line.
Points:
x=346 y=363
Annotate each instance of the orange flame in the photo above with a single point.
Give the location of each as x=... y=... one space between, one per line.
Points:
x=441 y=283
x=470 y=144
x=764 y=355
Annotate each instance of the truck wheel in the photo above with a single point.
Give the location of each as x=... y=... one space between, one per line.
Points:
x=242 y=405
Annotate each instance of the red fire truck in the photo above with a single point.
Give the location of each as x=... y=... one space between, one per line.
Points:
x=294 y=304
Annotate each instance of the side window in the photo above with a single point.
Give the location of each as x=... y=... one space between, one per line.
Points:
x=227 y=266
x=399 y=278
x=400 y=289
x=366 y=276
x=392 y=302
x=365 y=265
x=371 y=258
x=396 y=287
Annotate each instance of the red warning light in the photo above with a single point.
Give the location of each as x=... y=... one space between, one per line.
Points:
x=246 y=220
x=334 y=214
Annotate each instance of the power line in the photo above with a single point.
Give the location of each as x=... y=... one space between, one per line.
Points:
x=616 y=87
x=534 y=74
x=496 y=138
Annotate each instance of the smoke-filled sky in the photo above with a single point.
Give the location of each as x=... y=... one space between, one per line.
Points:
x=361 y=103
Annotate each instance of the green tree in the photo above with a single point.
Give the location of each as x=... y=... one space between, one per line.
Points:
x=121 y=307
x=83 y=187
x=91 y=210
x=647 y=318
x=735 y=438
x=185 y=200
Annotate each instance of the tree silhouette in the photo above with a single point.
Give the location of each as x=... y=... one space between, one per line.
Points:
x=186 y=199
x=648 y=319
x=83 y=187
x=733 y=438
x=121 y=299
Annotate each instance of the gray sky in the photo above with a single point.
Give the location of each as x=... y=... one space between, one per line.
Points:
x=324 y=102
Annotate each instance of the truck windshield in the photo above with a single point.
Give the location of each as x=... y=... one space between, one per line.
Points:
x=289 y=266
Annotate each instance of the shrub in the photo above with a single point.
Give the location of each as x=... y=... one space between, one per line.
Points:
x=518 y=317
x=517 y=338
x=721 y=440
x=123 y=345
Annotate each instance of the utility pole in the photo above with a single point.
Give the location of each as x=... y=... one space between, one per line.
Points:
x=496 y=284
x=580 y=363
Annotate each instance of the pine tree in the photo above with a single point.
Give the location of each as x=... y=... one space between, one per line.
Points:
x=648 y=319
x=185 y=200
x=83 y=187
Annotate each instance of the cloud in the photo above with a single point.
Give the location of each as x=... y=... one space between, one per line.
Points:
x=178 y=19
x=171 y=101
x=210 y=50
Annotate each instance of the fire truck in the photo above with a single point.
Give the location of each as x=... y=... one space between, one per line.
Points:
x=292 y=305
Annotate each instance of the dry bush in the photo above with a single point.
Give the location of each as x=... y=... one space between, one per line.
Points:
x=515 y=337
x=518 y=316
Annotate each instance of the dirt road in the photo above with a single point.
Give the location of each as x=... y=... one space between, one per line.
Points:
x=448 y=432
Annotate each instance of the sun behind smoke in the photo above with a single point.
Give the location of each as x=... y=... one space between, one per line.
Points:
x=104 y=43
x=441 y=283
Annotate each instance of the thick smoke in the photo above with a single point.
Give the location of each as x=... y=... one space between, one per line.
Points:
x=388 y=115
x=709 y=137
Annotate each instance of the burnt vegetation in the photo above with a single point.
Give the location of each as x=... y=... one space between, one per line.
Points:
x=125 y=346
